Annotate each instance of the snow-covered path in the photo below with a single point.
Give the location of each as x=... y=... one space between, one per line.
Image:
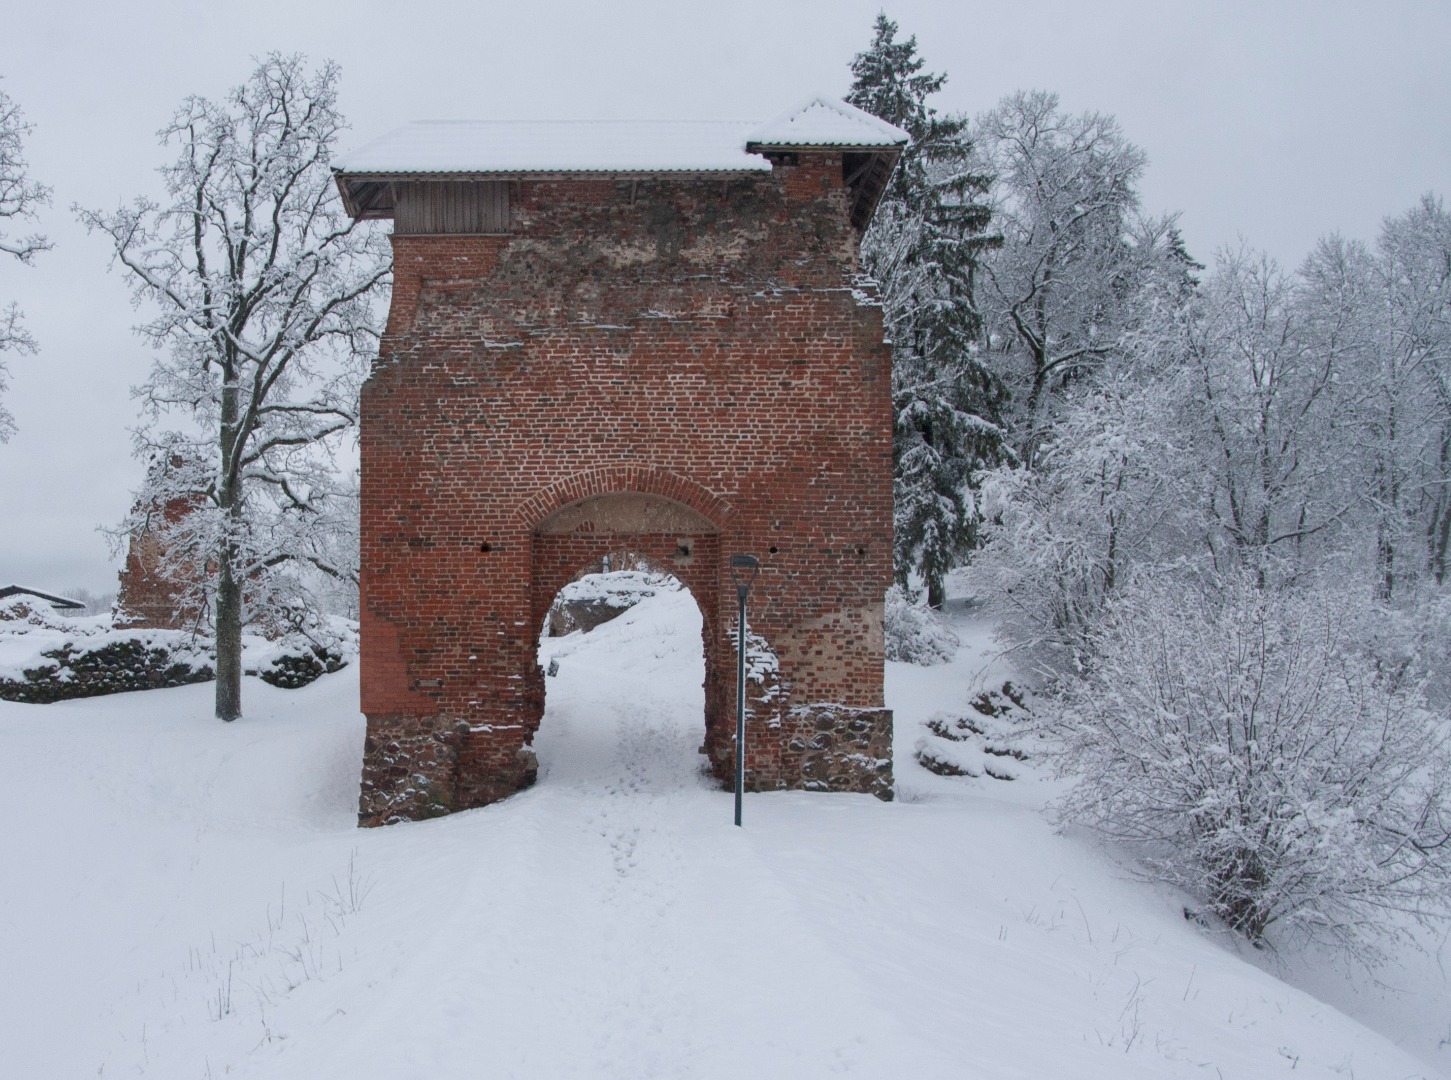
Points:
x=610 y=947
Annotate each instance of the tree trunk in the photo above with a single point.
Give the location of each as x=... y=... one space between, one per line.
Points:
x=936 y=593
x=229 y=589
x=229 y=639
x=1440 y=543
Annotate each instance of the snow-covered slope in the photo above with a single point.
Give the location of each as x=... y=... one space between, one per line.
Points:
x=186 y=899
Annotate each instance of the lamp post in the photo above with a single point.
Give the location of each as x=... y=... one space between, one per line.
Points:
x=744 y=569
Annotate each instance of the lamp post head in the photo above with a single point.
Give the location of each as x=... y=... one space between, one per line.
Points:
x=744 y=569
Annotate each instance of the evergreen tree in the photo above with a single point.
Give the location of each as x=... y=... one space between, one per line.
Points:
x=923 y=247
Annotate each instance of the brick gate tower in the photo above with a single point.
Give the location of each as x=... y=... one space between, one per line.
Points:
x=624 y=337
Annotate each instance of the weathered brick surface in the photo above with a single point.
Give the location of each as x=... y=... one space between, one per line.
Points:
x=693 y=348
x=146 y=597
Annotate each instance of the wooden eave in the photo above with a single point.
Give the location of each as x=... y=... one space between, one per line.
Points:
x=821 y=148
x=369 y=196
x=868 y=182
x=864 y=169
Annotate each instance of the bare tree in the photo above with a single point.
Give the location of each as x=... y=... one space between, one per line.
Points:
x=1415 y=377
x=1113 y=490
x=1064 y=287
x=96 y=603
x=1216 y=563
x=265 y=297
x=1275 y=403
x=20 y=197
x=1253 y=753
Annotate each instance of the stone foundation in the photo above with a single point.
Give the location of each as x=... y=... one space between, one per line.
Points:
x=818 y=748
x=841 y=749
x=409 y=768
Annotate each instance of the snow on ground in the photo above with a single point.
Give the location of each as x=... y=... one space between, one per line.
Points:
x=182 y=898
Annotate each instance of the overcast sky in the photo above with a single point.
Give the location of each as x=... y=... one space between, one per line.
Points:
x=1274 y=122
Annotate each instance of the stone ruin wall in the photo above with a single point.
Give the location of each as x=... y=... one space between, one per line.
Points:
x=146 y=597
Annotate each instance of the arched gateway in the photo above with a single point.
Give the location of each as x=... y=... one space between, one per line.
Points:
x=608 y=337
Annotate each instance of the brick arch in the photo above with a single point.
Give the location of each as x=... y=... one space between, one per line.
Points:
x=545 y=588
x=614 y=479
x=559 y=559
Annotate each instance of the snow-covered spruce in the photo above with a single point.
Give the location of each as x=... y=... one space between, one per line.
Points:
x=923 y=248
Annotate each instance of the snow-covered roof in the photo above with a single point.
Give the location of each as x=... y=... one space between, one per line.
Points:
x=508 y=146
x=61 y=602
x=480 y=147
x=826 y=121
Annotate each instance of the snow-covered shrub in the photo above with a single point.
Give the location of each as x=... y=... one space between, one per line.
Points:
x=990 y=740
x=1261 y=761
x=311 y=646
x=915 y=634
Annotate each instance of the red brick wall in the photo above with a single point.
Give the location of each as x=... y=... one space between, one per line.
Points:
x=145 y=596
x=697 y=339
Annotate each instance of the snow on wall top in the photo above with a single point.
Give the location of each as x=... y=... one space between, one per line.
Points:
x=826 y=121
x=506 y=146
